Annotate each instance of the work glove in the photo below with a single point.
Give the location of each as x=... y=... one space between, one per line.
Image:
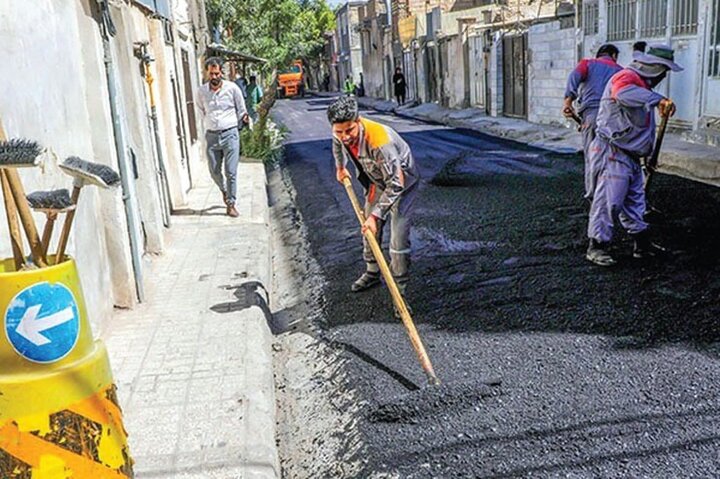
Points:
x=667 y=107
x=568 y=110
x=341 y=174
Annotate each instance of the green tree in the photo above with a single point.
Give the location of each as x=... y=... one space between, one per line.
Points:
x=277 y=30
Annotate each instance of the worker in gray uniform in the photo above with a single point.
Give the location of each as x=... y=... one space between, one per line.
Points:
x=386 y=169
x=625 y=135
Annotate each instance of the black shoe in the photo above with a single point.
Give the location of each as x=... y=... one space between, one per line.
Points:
x=366 y=281
x=598 y=253
x=645 y=249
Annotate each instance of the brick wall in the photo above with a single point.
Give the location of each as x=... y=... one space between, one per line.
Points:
x=551 y=59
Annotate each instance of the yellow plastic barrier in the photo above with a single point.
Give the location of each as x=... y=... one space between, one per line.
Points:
x=59 y=415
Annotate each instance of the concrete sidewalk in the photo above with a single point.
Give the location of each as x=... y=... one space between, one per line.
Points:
x=193 y=364
x=695 y=161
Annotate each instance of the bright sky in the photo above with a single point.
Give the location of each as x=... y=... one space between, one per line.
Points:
x=334 y=3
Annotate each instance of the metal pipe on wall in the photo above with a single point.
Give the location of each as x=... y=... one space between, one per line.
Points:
x=121 y=146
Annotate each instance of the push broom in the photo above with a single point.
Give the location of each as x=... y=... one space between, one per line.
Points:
x=13 y=225
x=52 y=203
x=17 y=153
x=84 y=173
x=394 y=291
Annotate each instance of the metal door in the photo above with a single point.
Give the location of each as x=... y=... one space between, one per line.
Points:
x=477 y=71
x=431 y=72
x=410 y=74
x=515 y=75
x=682 y=84
x=711 y=102
x=189 y=96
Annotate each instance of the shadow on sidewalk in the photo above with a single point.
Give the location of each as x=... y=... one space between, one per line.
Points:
x=254 y=293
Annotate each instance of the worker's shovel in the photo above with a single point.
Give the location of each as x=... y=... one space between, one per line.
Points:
x=651 y=163
x=392 y=286
x=575 y=118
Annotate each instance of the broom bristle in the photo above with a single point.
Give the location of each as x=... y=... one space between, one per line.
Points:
x=18 y=152
x=95 y=173
x=50 y=200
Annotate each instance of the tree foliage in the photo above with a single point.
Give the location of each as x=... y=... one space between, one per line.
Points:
x=277 y=30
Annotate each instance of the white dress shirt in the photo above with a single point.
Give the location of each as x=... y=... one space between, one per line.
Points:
x=223 y=108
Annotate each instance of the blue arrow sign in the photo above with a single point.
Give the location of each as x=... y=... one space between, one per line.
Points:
x=42 y=322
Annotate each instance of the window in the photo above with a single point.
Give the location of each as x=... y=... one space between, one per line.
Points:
x=621 y=19
x=653 y=18
x=714 y=66
x=685 y=17
x=168 y=32
x=590 y=18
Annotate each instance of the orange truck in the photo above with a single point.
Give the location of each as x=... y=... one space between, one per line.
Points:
x=291 y=82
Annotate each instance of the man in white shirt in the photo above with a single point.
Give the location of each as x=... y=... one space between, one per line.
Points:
x=223 y=106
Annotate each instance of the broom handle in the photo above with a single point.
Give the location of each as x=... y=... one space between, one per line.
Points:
x=26 y=217
x=65 y=234
x=13 y=225
x=48 y=231
x=392 y=286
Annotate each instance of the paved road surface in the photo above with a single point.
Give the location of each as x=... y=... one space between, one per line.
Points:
x=551 y=366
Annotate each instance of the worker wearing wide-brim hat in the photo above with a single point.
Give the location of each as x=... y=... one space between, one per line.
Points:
x=625 y=135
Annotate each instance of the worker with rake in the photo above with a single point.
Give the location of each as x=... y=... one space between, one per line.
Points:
x=386 y=169
x=626 y=135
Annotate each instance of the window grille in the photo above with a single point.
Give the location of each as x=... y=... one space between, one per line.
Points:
x=621 y=19
x=590 y=18
x=714 y=67
x=653 y=18
x=685 y=17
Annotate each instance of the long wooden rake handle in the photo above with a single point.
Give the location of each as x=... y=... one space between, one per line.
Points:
x=394 y=291
x=13 y=224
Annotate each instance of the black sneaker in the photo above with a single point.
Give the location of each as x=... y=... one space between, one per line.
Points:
x=366 y=281
x=645 y=249
x=598 y=253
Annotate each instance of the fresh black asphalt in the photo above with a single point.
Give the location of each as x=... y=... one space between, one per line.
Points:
x=551 y=367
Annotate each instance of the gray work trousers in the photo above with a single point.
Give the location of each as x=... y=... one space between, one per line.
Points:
x=619 y=195
x=399 y=233
x=592 y=166
x=223 y=150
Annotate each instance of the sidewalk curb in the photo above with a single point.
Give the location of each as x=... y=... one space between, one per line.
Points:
x=261 y=456
x=194 y=362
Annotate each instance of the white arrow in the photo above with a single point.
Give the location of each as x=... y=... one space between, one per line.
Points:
x=31 y=326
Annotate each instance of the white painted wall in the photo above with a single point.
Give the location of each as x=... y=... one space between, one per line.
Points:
x=54 y=90
x=47 y=96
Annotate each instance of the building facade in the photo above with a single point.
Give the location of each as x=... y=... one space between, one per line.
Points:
x=349 y=50
x=96 y=103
